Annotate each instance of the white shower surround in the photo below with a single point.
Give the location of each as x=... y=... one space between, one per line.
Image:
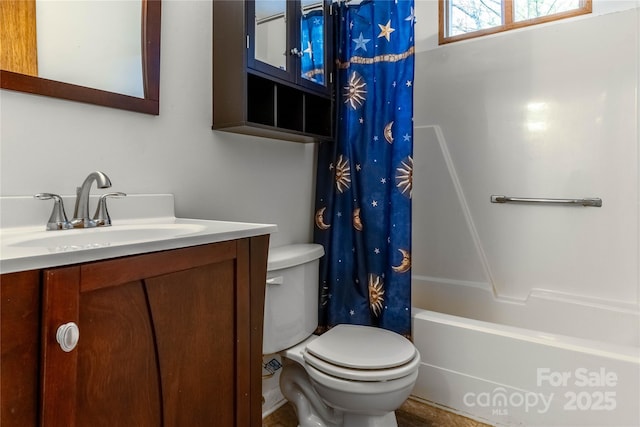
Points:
x=544 y=112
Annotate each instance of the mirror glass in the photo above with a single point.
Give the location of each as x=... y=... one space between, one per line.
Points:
x=312 y=41
x=271 y=32
x=72 y=46
x=104 y=52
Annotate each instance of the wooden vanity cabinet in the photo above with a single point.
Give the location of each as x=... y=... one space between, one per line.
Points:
x=170 y=338
x=19 y=348
x=251 y=96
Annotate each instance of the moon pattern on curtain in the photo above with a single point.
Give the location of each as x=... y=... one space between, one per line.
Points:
x=364 y=177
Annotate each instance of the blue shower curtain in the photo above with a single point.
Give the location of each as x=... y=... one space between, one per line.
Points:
x=312 y=45
x=364 y=177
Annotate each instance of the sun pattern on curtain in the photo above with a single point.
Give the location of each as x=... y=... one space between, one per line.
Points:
x=364 y=178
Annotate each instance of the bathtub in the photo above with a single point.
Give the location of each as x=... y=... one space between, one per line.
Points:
x=492 y=371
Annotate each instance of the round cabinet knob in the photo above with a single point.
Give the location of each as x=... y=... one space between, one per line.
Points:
x=67 y=336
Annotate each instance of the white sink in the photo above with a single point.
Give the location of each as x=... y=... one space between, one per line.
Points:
x=141 y=224
x=102 y=236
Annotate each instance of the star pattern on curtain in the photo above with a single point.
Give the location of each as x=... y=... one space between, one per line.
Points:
x=364 y=182
x=312 y=40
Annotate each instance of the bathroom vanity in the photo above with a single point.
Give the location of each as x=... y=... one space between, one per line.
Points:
x=170 y=330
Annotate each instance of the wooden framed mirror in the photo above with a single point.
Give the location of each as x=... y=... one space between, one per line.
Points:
x=150 y=70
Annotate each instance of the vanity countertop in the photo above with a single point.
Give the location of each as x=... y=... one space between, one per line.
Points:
x=141 y=224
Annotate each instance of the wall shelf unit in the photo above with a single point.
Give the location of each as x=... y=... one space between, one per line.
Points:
x=255 y=98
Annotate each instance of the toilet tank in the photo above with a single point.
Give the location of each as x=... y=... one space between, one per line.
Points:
x=291 y=296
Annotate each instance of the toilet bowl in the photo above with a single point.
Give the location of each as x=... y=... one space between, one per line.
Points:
x=352 y=375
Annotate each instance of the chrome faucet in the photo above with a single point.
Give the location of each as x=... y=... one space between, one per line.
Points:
x=102 y=217
x=58 y=219
x=81 y=217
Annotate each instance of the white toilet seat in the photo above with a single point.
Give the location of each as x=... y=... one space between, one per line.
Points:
x=362 y=347
x=366 y=375
x=362 y=353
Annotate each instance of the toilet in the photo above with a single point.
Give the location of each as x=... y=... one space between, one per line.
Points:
x=352 y=375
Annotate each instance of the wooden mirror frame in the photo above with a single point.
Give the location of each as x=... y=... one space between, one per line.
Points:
x=150 y=104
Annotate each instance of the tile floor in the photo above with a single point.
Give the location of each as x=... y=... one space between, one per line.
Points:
x=411 y=414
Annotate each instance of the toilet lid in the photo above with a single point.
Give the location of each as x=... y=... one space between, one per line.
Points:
x=362 y=347
x=364 y=375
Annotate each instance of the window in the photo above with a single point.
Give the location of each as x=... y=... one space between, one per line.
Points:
x=464 y=19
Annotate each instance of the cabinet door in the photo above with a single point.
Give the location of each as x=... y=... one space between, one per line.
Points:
x=270 y=42
x=291 y=40
x=20 y=348
x=314 y=32
x=165 y=340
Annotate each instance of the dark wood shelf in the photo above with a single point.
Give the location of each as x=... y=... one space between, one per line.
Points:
x=252 y=102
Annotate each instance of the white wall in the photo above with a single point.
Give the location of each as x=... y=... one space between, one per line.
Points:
x=548 y=111
x=51 y=145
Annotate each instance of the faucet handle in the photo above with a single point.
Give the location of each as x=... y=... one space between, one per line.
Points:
x=58 y=219
x=101 y=217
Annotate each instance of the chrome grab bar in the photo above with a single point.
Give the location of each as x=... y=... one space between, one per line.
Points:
x=587 y=201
